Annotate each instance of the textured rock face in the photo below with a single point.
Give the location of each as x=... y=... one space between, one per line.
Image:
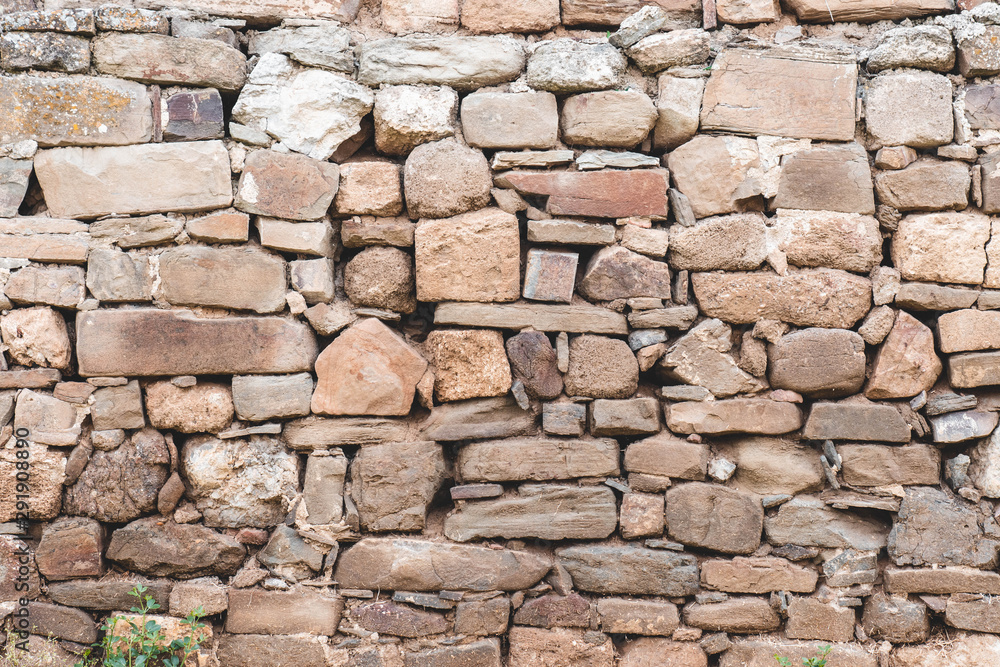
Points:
x=171 y=549
x=286 y=186
x=818 y=362
x=394 y=484
x=160 y=59
x=711 y=517
x=934 y=528
x=464 y=63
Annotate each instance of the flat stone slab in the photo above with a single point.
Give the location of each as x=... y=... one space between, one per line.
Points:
x=601 y=194
x=630 y=570
x=160 y=342
x=542 y=317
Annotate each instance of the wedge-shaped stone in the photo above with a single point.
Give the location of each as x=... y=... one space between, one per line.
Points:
x=737 y=415
x=264 y=10
x=906 y=364
x=847 y=241
x=757 y=575
x=286 y=185
x=244 y=278
x=935 y=528
x=790 y=92
x=91 y=182
x=807 y=297
x=537 y=459
x=713 y=517
x=818 y=362
x=546 y=511
x=818 y=11
x=74 y=111
x=630 y=570
x=170 y=60
x=701 y=358
x=761 y=652
x=542 y=317
x=715 y=174
x=161 y=342
x=367 y=370
x=310 y=111
x=855 y=421
x=826 y=178
x=599 y=194
x=879 y=465
x=420 y=565
x=807 y=521
x=941 y=581
x=464 y=63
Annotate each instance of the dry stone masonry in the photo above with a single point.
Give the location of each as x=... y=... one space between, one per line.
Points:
x=523 y=333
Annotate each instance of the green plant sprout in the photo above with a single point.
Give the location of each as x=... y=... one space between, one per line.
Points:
x=819 y=660
x=145 y=644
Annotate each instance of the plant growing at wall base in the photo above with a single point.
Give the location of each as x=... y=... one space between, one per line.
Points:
x=819 y=660
x=144 y=644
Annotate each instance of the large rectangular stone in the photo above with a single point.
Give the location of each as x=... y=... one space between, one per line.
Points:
x=238 y=278
x=630 y=570
x=941 y=581
x=546 y=511
x=483 y=418
x=668 y=456
x=165 y=59
x=761 y=652
x=537 y=459
x=74 y=111
x=737 y=415
x=542 y=317
x=868 y=11
x=879 y=465
x=255 y=611
x=91 y=182
x=463 y=63
x=599 y=194
x=855 y=421
x=975 y=369
x=314 y=432
x=788 y=92
x=159 y=342
x=968 y=330
x=268 y=11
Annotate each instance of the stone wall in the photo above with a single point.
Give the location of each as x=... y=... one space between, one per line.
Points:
x=428 y=333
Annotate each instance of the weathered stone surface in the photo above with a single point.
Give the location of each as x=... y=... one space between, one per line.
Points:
x=510 y=120
x=814 y=11
x=420 y=565
x=370 y=188
x=36 y=337
x=159 y=548
x=924 y=123
x=71 y=548
x=714 y=517
x=941 y=581
x=54 y=621
x=570 y=611
x=445 y=178
x=464 y=63
x=816 y=100
x=668 y=456
x=818 y=362
x=826 y=178
x=928 y=296
x=155 y=342
x=546 y=511
x=559 y=647
x=637 y=617
x=975 y=57
x=255 y=494
x=533 y=362
x=121 y=485
x=307 y=238
x=568 y=66
x=491 y=16
x=115 y=276
x=760 y=653
x=738 y=415
x=895 y=619
x=542 y=317
x=649 y=652
x=49 y=420
x=117 y=407
x=517 y=459
x=170 y=60
x=326 y=44
x=190 y=116
x=202 y=408
x=469 y=363
x=637 y=416
x=287 y=186
x=757 y=575
x=45 y=51
x=967 y=330
x=981 y=110
x=963 y=650
x=426 y=16
x=926 y=47
x=602 y=194
x=608 y=118
x=263 y=397
x=309 y=110
x=381 y=277
x=482 y=617
x=339 y=10
x=601 y=367
x=934 y=528
x=51 y=286
x=476 y=419
x=678 y=106
x=630 y=570
x=91 y=182
x=676 y=48
x=60 y=111
x=618 y=273
x=738 y=615
x=368 y=369
x=485 y=652
x=731 y=242
x=700 y=357
x=906 y=364
x=925 y=185
x=876 y=465
x=276 y=650
x=809 y=618
x=12 y=550
x=855 y=421
x=207 y=593
x=981 y=614
x=253 y=611
x=808 y=297
x=407 y=116
x=773 y=466
x=241 y=278
x=107 y=594
x=470 y=257
x=714 y=173
x=807 y=521
x=975 y=369
x=394 y=483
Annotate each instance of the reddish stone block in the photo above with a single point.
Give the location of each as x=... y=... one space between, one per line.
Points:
x=599 y=194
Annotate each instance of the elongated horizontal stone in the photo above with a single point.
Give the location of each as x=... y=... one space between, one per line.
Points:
x=546 y=511
x=738 y=415
x=464 y=63
x=761 y=652
x=855 y=421
x=241 y=278
x=827 y=11
x=91 y=182
x=62 y=248
x=757 y=575
x=600 y=194
x=879 y=465
x=421 y=565
x=263 y=10
x=974 y=369
x=74 y=111
x=537 y=459
x=968 y=330
x=807 y=298
x=160 y=342
x=315 y=432
x=542 y=317
x=941 y=581
x=630 y=570
x=476 y=419
x=790 y=92
x=170 y=60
